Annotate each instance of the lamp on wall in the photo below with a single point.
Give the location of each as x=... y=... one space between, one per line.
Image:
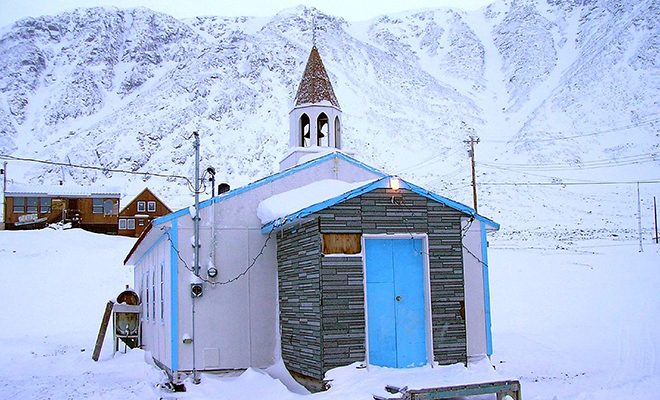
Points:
x=395 y=183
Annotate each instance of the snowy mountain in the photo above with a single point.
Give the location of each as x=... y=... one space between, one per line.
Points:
x=561 y=92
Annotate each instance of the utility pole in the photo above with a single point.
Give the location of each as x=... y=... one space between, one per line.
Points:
x=4 y=198
x=197 y=185
x=473 y=140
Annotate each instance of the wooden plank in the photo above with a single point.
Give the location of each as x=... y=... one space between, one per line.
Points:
x=508 y=387
x=102 y=330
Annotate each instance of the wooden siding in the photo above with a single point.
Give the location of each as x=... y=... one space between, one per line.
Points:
x=82 y=207
x=336 y=334
x=142 y=219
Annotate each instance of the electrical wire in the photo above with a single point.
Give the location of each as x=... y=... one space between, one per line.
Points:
x=92 y=167
x=213 y=283
x=577 y=166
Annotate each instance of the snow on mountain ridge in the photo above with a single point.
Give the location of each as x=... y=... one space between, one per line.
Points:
x=124 y=89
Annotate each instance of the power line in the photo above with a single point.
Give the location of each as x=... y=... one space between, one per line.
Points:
x=569 y=183
x=92 y=167
x=602 y=163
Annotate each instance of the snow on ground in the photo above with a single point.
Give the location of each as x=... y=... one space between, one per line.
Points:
x=572 y=319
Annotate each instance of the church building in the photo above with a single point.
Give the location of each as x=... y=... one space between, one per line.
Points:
x=325 y=263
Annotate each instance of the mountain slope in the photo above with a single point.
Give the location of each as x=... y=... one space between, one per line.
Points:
x=557 y=91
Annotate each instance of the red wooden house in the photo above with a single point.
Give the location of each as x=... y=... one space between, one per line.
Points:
x=139 y=212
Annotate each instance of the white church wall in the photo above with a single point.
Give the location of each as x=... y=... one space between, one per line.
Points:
x=474 y=289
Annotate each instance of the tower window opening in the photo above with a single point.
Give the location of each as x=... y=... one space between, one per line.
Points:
x=337 y=133
x=305 y=127
x=322 y=131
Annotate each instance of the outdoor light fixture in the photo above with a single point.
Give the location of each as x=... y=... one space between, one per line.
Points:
x=212 y=272
x=196 y=289
x=395 y=183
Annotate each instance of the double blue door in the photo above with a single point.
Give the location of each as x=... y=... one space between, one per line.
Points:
x=396 y=311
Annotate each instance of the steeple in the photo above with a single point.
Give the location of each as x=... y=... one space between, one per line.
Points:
x=315 y=120
x=315 y=86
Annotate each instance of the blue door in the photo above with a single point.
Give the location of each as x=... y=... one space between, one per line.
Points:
x=395 y=302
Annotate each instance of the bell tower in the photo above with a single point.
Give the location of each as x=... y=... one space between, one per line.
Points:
x=315 y=120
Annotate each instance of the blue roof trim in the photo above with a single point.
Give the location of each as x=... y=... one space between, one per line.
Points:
x=380 y=183
x=269 y=179
x=450 y=203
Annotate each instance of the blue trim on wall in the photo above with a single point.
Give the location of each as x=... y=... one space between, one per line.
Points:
x=380 y=183
x=269 y=179
x=174 y=295
x=484 y=259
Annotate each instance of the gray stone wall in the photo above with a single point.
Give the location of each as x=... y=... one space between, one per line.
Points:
x=299 y=269
x=336 y=335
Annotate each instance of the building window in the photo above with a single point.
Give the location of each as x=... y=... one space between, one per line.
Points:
x=44 y=205
x=146 y=290
x=162 y=293
x=151 y=206
x=342 y=243
x=153 y=293
x=141 y=206
x=108 y=207
x=141 y=222
x=97 y=206
x=32 y=205
x=130 y=223
x=19 y=205
x=122 y=224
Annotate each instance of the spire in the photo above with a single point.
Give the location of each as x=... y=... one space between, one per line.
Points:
x=315 y=86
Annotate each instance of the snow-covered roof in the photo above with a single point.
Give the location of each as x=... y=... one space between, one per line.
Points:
x=287 y=203
x=289 y=171
x=315 y=86
x=299 y=203
x=17 y=189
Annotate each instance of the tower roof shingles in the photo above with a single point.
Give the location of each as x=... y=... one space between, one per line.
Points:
x=315 y=86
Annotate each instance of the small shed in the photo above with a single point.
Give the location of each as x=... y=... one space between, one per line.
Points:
x=375 y=271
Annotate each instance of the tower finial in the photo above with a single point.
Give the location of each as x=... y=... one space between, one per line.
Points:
x=313 y=30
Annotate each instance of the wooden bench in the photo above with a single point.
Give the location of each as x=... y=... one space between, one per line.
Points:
x=502 y=389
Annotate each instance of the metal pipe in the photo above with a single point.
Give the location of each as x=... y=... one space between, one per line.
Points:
x=196 y=252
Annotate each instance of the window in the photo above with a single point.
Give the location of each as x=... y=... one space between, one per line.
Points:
x=97 y=206
x=141 y=206
x=130 y=223
x=322 y=130
x=146 y=290
x=122 y=224
x=151 y=206
x=342 y=243
x=141 y=222
x=19 y=205
x=153 y=293
x=44 y=205
x=304 y=131
x=108 y=207
x=32 y=203
x=162 y=291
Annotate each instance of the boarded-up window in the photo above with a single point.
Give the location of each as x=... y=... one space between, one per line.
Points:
x=342 y=243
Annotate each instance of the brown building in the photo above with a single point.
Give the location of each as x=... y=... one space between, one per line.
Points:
x=138 y=213
x=34 y=206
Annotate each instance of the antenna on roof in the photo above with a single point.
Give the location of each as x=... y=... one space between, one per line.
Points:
x=313 y=30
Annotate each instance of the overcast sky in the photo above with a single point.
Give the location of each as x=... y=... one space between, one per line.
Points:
x=351 y=10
